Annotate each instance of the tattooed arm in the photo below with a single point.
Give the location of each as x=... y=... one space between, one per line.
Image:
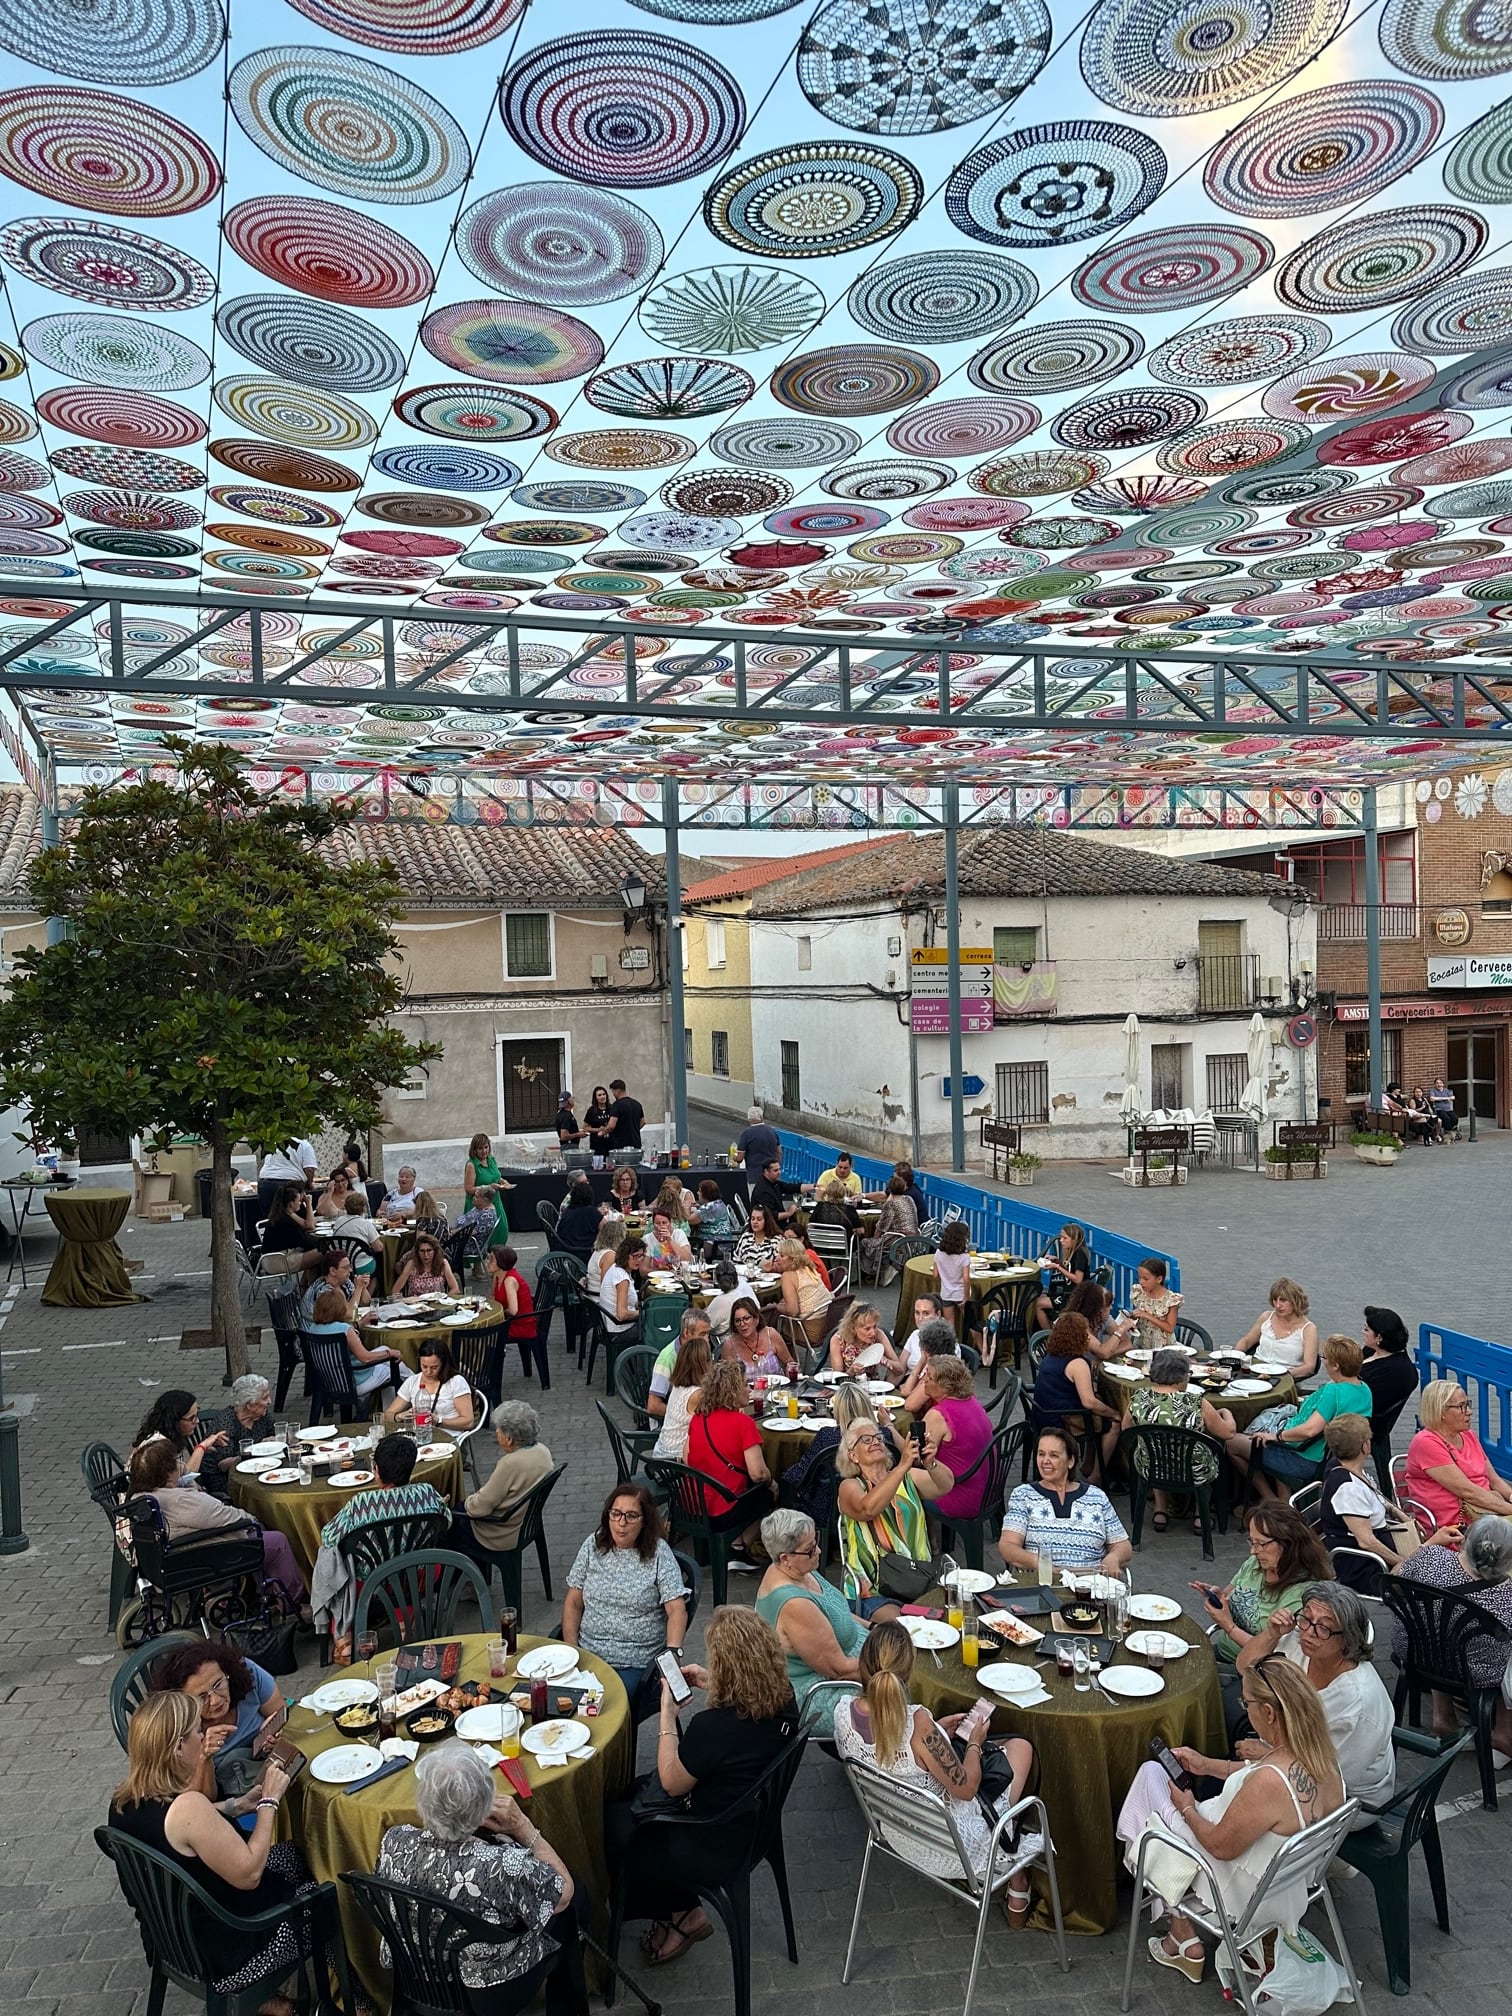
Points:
x=1261 y=1804
x=933 y=1749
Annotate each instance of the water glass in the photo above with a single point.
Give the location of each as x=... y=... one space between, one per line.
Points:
x=306 y=1471
x=1045 y=1570
x=1082 y=1668
x=498 y=1659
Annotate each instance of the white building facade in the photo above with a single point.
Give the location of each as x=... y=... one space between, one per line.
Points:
x=1192 y=949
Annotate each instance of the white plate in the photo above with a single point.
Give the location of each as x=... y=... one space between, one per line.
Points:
x=255 y=1466
x=341 y=1694
x=1135 y=1683
x=806 y=1424
x=1244 y=1389
x=1165 y=1641
x=1127 y=1372
x=970 y=1581
x=488 y=1724
x=556 y=1739
x=1275 y=1371
x=878 y=1388
x=872 y=1355
x=273 y=1448
x=349 y=1480
x=460 y=1316
x=347 y=1764
x=779 y=1424
x=1154 y=1609
x=829 y=1377
x=433 y=1451
x=279 y=1477
x=401 y=1323
x=930 y=1634
x=1008 y=1680
x=316 y=1434
x=547 y=1662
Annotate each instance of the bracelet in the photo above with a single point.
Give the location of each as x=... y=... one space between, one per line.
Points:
x=267 y=1805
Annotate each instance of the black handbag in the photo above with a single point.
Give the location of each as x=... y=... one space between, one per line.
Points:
x=267 y=1641
x=904 y=1579
x=651 y=1798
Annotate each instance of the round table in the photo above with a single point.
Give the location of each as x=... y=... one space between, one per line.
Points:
x=1089 y=1747
x=783 y=1447
x=339 y=1830
x=919 y=1279
x=88 y=1271
x=298 y=1511
x=1114 y=1392
x=408 y=1341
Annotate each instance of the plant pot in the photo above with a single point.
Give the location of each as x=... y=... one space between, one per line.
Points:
x=1152 y=1179
x=1301 y=1172
x=71 y=1168
x=1020 y=1179
x=1380 y=1158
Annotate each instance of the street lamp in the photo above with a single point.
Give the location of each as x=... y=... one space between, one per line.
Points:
x=633 y=896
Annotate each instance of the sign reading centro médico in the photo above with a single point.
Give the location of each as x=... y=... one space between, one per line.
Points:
x=929 y=979
x=1465 y=969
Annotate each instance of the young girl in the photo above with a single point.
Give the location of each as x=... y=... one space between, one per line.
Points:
x=952 y=1263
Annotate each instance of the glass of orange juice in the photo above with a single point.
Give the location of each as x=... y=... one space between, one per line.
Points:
x=509 y=1740
x=955 y=1614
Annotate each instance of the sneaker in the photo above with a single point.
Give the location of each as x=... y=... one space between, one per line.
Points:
x=738 y=1562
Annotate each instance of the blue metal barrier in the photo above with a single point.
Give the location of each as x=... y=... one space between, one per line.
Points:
x=1484 y=1370
x=1001 y=1224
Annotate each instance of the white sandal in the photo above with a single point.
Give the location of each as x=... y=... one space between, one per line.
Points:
x=1178 y=1961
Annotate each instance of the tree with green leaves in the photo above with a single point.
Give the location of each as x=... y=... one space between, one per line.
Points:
x=217 y=976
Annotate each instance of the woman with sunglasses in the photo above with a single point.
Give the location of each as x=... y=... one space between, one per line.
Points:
x=1448 y=1472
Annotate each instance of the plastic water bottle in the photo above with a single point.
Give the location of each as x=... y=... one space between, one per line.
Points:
x=684 y=1157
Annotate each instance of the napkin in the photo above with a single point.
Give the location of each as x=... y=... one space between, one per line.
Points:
x=394 y=1764
x=400 y=1746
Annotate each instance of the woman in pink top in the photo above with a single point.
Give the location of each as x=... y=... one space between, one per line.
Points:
x=956 y=1431
x=1447 y=1471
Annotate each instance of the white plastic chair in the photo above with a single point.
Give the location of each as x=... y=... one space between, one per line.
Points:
x=466 y=1439
x=901 y=1822
x=833 y=1245
x=1301 y=1857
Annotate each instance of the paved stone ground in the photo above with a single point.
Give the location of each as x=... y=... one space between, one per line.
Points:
x=1419 y=1237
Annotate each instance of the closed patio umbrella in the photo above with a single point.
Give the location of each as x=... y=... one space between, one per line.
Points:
x=1252 y=1098
x=1131 y=1106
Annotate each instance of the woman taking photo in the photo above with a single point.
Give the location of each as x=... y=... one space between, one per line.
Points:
x=1260 y=1806
x=748 y=1719
x=158 y=1804
x=1060 y=1515
x=881 y=1499
x=762 y=1351
x=626 y=1600
x=425 y=1270
x=1283 y=1335
x=437 y=1390
x=818 y=1632
x=1448 y=1471
x=973 y=1781
x=482 y=1168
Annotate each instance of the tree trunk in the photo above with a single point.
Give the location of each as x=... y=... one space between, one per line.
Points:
x=225 y=1286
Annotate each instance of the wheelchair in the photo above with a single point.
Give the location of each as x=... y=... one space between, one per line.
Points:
x=208 y=1583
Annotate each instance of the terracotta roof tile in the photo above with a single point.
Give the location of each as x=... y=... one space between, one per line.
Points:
x=756 y=873
x=20 y=843
x=460 y=867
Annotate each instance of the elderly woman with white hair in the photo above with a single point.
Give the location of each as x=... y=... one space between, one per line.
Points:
x=819 y=1635
x=488 y=1524
x=475 y=1848
x=245 y=1419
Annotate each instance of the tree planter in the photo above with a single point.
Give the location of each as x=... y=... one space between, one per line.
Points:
x=1152 y=1179
x=1020 y=1179
x=1380 y=1158
x=205 y=1340
x=1295 y=1172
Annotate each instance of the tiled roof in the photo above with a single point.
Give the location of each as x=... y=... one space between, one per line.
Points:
x=463 y=867
x=998 y=861
x=745 y=877
x=20 y=843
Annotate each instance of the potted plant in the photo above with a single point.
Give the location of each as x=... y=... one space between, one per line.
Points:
x=1021 y=1167
x=1162 y=1171
x=68 y=1157
x=1294 y=1160
x=1380 y=1148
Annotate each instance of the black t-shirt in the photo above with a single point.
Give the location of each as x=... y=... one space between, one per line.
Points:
x=1392 y=1381
x=768 y=1195
x=727 y=1752
x=287 y=1235
x=578 y=1227
x=567 y=1127
x=595 y=1120
x=628 y=1114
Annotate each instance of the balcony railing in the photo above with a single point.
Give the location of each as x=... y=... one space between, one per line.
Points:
x=1344 y=923
x=1227 y=982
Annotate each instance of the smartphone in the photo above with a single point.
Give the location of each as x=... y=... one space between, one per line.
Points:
x=1213 y=1598
x=672 y=1673
x=1166 y=1758
x=270 y=1731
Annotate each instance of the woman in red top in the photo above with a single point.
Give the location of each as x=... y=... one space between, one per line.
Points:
x=515 y=1297
x=724 y=1446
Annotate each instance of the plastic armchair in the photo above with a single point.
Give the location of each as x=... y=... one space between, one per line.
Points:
x=1382 y=1851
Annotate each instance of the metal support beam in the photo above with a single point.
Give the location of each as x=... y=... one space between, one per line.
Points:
x=50 y=838
x=679 y=1050
x=1373 y=942
x=953 y=976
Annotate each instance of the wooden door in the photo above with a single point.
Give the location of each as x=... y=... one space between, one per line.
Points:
x=1165 y=1078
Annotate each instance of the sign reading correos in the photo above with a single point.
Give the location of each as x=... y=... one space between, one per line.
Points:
x=1467 y=969
x=929 y=976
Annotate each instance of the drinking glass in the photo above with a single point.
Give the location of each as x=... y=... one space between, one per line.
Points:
x=509 y=1741
x=955 y=1611
x=365 y=1646
x=498 y=1659
x=306 y=1471
x=1045 y=1570
x=1155 y=1652
x=1065 y=1657
x=1083 y=1670
x=509 y=1629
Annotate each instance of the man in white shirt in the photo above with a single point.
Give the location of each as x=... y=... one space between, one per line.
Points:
x=844 y=1174
x=399 y=1204
x=294 y=1162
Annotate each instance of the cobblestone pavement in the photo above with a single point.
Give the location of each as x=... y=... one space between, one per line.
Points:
x=1418 y=1237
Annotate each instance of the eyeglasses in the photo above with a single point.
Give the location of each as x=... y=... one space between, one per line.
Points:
x=801 y=1553
x=1318 y=1626
x=220 y=1685
x=1456 y=1406
x=860 y=1440
x=626 y=1518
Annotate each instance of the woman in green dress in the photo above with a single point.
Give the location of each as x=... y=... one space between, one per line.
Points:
x=482 y=1169
x=819 y=1634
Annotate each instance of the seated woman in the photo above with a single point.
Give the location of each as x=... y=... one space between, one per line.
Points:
x=333 y=1200
x=514 y=1296
x=935 y=1339
x=335 y=1271
x=437 y=1390
x=952 y=1266
x=883 y=1492
x=1261 y=1804
x=425 y=1270
x=1111 y=1336
x=373 y=1367
x=159 y=1804
x=1066 y=1266
x=1284 y=1335
x=482 y=1221
x=578 y=1223
x=833 y=1207
x=624 y=1192
x=668 y=1241
x=957 y=1430
x=804 y=1295
x=430 y=1213
x=1388 y=1369
x=357 y=1222
x=189 y=1513
x=944 y=1761
x=897 y=1219
x=1293 y=1454
x=478 y=1530
x=818 y=1632
x=246 y=1418
x=761 y=1350
x=1060 y=1515
x=289 y=1244
x=620 y=1285
x=626 y=1600
x=476 y=1848
x=175 y=1418
x=757 y=1245
x=1422 y=1121
x=1448 y=1471
x=1065 y=1390
x=1441 y=1099
x=236 y=1698
x=1353 y=1515
x=809 y=1484
x=748 y=1719
x=1285 y=1555
x=1154 y=1307
x=689 y=1368
x=1169 y=1401
x=715 y=1224
x=1480 y=1569
x=857 y=1335
x=1329 y=1639
x=676 y=1201
x=606 y=1244
x=724 y=1446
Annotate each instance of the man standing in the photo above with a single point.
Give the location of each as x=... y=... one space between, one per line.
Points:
x=844 y=1174
x=767 y=1191
x=294 y=1162
x=758 y=1143
x=626 y=1116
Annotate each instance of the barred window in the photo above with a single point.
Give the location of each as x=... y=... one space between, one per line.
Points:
x=1023 y=1094
x=1227 y=1076
x=527 y=945
x=721 y=1053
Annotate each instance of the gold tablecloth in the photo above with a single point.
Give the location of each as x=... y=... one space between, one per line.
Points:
x=88 y=1271
x=299 y=1511
x=1089 y=1748
x=336 y=1830
x=408 y=1342
x=1115 y=1393
x=919 y=1279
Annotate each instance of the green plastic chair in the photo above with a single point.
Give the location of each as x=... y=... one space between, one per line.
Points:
x=681 y=1488
x=129 y=1682
x=1381 y=1851
x=418 y=1595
